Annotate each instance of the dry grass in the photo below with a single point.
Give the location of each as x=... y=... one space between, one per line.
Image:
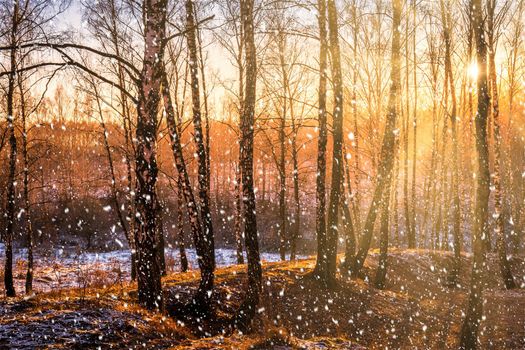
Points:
x=416 y=310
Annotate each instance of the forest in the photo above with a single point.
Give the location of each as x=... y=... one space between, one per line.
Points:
x=262 y=174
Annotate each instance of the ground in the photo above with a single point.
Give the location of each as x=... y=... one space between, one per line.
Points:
x=415 y=311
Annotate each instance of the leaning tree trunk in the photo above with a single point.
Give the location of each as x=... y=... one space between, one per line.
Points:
x=204 y=293
x=248 y=307
x=320 y=267
x=10 y=208
x=388 y=148
x=173 y=110
x=114 y=190
x=474 y=312
x=148 y=271
x=205 y=261
x=349 y=228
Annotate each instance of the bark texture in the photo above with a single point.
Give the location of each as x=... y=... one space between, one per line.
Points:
x=470 y=327
x=204 y=260
x=320 y=266
x=148 y=270
x=10 y=207
x=204 y=293
x=329 y=275
x=248 y=308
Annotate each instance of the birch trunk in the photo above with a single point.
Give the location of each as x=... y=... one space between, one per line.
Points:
x=474 y=312
x=204 y=260
x=205 y=290
x=320 y=266
x=248 y=308
x=148 y=270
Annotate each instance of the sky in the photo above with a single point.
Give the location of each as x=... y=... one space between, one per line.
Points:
x=217 y=63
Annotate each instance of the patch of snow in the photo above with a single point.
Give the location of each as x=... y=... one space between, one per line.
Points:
x=65 y=268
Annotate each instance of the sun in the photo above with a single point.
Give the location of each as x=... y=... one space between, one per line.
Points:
x=473 y=70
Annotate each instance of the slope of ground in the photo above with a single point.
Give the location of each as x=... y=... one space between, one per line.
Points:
x=415 y=311
x=74 y=268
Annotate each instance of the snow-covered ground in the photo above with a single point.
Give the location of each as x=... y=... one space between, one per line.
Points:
x=77 y=269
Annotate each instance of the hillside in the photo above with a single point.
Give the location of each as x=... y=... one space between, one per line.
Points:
x=415 y=311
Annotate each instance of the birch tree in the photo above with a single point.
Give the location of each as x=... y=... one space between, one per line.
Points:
x=387 y=157
x=248 y=307
x=474 y=311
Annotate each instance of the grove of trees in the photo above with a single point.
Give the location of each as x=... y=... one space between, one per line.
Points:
x=297 y=127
